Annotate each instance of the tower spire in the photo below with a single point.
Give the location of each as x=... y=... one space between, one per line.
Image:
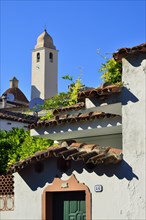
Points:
x=44 y=68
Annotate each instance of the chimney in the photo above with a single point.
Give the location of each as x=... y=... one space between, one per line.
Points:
x=4 y=100
x=14 y=83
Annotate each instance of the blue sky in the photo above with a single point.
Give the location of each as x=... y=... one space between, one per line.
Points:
x=78 y=28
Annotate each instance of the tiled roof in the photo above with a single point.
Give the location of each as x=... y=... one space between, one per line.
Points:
x=75 y=107
x=19 y=117
x=124 y=52
x=100 y=92
x=69 y=118
x=18 y=94
x=70 y=150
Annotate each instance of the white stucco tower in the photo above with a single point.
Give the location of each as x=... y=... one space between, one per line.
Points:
x=44 y=68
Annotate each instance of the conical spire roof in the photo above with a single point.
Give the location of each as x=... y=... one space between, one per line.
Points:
x=45 y=40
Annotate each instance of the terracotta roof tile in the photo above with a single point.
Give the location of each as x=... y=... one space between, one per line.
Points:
x=90 y=153
x=77 y=145
x=18 y=94
x=76 y=107
x=66 y=119
x=19 y=117
x=124 y=52
x=100 y=92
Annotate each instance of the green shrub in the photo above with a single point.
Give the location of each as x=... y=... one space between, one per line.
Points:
x=17 y=144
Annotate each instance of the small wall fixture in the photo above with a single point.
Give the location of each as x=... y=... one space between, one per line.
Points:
x=98 y=188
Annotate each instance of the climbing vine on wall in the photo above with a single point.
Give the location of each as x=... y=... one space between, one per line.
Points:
x=63 y=98
x=111 y=70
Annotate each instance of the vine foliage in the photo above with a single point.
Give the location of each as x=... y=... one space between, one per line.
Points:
x=63 y=98
x=111 y=70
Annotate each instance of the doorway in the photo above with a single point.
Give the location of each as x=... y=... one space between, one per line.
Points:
x=67 y=205
x=66 y=200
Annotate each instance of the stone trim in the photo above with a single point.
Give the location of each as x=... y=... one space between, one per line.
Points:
x=59 y=185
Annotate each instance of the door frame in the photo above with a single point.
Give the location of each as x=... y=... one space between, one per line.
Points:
x=59 y=185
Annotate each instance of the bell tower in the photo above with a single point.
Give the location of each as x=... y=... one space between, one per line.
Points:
x=44 y=68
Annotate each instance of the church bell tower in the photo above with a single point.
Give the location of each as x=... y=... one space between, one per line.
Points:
x=44 y=68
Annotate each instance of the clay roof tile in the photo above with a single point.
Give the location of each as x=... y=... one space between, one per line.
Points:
x=88 y=153
x=124 y=52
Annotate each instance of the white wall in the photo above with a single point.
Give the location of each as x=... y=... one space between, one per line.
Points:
x=51 y=73
x=111 y=203
x=134 y=133
x=38 y=77
x=44 y=74
x=113 y=140
x=8 y=125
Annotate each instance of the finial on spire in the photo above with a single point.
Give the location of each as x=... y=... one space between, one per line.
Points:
x=45 y=29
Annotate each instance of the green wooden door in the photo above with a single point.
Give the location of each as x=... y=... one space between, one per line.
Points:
x=69 y=206
x=74 y=210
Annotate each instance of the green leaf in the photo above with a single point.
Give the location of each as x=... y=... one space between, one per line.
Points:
x=68 y=77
